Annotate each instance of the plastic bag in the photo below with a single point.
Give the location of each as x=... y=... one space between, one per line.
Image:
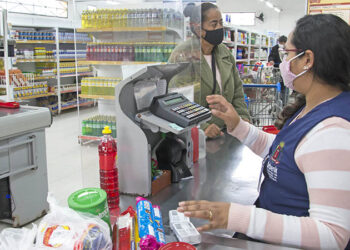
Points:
x=18 y=239
x=64 y=228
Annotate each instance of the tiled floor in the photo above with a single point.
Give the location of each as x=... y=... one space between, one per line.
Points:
x=65 y=157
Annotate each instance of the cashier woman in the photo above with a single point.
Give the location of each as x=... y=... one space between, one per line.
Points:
x=215 y=60
x=304 y=200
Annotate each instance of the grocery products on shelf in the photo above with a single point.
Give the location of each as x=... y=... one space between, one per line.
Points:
x=99 y=86
x=26 y=35
x=69 y=37
x=93 y=126
x=242 y=37
x=66 y=68
x=34 y=35
x=38 y=88
x=43 y=53
x=147 y=52
x=116 y=18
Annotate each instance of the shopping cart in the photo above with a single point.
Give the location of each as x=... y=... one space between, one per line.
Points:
x=264 y=103
x=251 y=73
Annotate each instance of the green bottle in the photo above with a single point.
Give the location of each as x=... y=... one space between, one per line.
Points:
x=83 y=129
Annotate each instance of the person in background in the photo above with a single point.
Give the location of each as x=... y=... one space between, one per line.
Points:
x=304 y=200
x=275 y=57
x=213 y=58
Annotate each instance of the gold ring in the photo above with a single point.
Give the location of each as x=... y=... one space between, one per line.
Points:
x=210 y=215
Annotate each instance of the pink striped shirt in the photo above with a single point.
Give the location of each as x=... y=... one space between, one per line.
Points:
x=323 y=155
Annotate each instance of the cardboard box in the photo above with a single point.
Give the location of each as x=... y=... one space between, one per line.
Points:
x=161 y=182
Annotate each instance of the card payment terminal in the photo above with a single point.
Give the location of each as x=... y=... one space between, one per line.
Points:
x=176 y=108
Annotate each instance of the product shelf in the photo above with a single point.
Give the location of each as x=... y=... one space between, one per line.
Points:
x=46 y=42
x=35 y=42
x=46 y=60
x=35 y=60
x=34 y=96
x=242 y=60
x=76 y=105
x=36 y=78
x=106 y=97
x=122 y=29
x=74 y=75
x=116 y=63
x=242 y=45
x=68 y=91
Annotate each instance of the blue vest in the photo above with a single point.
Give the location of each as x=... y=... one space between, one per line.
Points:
x=284 y=189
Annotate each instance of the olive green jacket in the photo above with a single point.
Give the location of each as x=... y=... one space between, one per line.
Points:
x=199 y=71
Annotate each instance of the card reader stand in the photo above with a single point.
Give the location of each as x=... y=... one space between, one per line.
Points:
x=139 y=131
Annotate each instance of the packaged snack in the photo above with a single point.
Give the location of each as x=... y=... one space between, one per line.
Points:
x=158 y=225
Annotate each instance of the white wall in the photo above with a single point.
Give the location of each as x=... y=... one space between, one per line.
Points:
x=292 y=11
x=282 y=22
x=271 y=17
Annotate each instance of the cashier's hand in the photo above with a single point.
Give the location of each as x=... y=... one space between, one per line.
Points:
x=215 y=212
x=223 y=110
x=213 y=131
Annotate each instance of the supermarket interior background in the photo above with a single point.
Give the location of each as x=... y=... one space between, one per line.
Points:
x=70 y=56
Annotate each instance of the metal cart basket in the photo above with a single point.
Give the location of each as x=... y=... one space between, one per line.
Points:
x=264 y=102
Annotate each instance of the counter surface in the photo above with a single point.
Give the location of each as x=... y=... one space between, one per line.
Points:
x=229 y=173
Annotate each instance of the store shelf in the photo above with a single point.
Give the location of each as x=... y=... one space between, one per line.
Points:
x=35 y=42
x=44 y=42
x=46 y=60
x=44 y=77
x=241 y=60
x=68 y=91
x=116 y=63
x=34 y=96
x=74 y=75
x=229 y=43
x=62 y=76
x=35 y=60
x=76 y=105
x=122 y=29
x=242 y=45
x=106 y=97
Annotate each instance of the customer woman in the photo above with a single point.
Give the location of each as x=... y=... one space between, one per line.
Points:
x=304 y=200
x=205 y=49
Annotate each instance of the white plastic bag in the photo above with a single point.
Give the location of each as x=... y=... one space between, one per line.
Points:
x=64 y=228
x=18 y=238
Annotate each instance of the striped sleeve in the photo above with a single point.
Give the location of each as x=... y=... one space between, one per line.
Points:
x=323 y=156
x=257 y=140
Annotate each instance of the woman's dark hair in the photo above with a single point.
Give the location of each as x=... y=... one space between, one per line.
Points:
x=327 y=36
x=197 y=14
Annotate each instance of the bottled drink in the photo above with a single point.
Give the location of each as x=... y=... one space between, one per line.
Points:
x=108 y=170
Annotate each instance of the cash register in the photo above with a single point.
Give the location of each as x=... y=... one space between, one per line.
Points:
x=145 y=113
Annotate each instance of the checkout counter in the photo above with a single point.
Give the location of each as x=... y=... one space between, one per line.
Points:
x=23 y=167
x=229 y=173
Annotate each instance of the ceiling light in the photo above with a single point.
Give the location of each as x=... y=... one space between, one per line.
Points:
x=112 y=2
x=269 y=4
x=262 y=0
x=277 y=9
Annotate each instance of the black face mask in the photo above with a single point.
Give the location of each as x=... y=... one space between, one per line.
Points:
x=214 y=37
